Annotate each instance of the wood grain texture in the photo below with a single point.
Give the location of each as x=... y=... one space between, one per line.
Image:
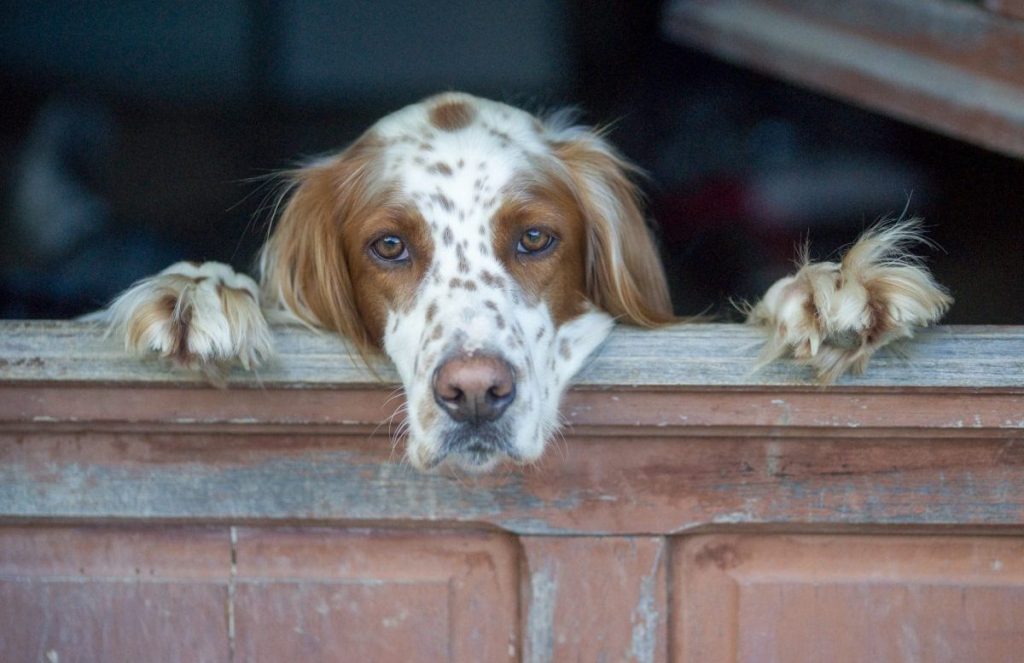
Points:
x=848 y=599
x=320 y=594
x=618 y=485
x=114 y=594
x=274 y=519
x=947 y=65
x=695 y=446
x=683 y=355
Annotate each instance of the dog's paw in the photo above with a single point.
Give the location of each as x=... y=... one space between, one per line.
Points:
x=199 y=316
x=834 y=316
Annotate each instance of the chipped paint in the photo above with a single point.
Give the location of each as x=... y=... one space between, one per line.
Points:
x=540 y=621
x=733 y=517
x=645 y=618
x=786 y=414
x=773 y=459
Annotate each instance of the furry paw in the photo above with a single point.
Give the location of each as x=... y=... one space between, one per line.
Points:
x=834 y=316
x=200 y=316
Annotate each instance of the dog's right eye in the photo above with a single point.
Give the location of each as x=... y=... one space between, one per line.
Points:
x=390 y=248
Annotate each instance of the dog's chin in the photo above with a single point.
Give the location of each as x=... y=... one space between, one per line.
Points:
x=476 y=460
x=472 y=449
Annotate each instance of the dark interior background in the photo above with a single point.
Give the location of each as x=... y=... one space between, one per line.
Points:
x=134 y=134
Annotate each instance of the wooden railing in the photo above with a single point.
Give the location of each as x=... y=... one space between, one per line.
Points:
x=673 y=419
x=681 y=480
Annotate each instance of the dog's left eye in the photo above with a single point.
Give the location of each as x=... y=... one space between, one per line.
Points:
x=534 y=240
x=390 y=248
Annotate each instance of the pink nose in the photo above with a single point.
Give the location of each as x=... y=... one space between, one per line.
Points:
x=474 y=388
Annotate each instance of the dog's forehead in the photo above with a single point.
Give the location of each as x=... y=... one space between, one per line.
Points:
x=458 y=146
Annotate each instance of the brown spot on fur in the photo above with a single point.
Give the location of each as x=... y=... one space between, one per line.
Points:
x=181 y=324
x=438 y=331
x=881 y=322
x=500 y=135
x=564 y=349
x=443 y=200
x=470 y=285
x=558 y=275
x=431 y=312
x=500 y=321
x=447 y=237
x=452 y=115
x=223 y=289
x=441 y=168
x=455 y=283
x=316 y=256
x=492 y=280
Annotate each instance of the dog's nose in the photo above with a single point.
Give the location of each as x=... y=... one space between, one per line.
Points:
x=474 y=388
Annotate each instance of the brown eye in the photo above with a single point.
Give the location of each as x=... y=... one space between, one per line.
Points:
x=534 y=241
x=390 y=248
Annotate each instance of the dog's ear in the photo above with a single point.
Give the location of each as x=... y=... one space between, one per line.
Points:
x=303 y=265
x=624 y=273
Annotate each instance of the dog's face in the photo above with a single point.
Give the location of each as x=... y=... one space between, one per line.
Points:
x=485 y=251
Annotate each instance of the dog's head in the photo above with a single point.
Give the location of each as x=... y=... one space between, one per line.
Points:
x=486 y=251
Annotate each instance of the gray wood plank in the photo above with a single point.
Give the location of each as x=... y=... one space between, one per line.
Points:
x=687 y=355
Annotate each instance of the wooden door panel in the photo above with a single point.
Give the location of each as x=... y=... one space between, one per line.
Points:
x=113 y=594
x=315 y=594
x=849 y=598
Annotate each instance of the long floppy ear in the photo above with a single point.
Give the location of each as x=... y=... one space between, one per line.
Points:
x=303 y=265
x=624 y=272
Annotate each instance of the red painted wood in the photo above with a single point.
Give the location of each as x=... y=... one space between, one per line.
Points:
x=329 y=595
x=113 y=594
x=848 y=599
x=595 y=599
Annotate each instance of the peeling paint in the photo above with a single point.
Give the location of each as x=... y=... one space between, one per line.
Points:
x=773 y=459
x=540 y=623
x=733 y=517
x=787 y=412
x=644 y=639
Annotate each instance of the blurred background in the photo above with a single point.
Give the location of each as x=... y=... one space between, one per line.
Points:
x=134 y=133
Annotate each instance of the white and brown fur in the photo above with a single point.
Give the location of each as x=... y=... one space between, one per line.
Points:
x=459 y=181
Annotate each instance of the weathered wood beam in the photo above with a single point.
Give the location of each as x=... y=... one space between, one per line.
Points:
x=950 y=66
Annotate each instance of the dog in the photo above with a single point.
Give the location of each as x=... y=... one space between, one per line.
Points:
x=488 y=252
